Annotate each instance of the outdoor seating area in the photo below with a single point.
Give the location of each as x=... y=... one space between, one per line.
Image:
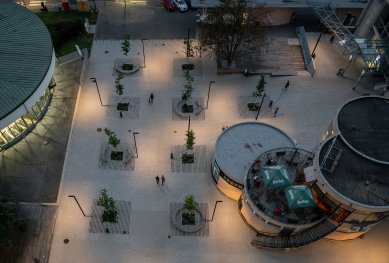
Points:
x=276 y=185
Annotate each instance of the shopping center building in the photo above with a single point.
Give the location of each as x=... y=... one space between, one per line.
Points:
x=292 y=197
x=237 y=147
x=27 y=62
x=351 y=167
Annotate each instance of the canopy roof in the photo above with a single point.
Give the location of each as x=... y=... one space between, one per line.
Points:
x=26 y=53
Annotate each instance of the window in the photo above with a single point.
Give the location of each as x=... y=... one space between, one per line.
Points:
x=215 y=171
x=340 y=214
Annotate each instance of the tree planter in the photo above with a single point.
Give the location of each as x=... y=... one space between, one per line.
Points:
x=177 y=220
x=189 y=66
x=187 y=108
x=127 y=66
x=187 y=158
x=253 y=106
x=188 y=219
x=122 y=106
x=110 y=216
x=116 y=156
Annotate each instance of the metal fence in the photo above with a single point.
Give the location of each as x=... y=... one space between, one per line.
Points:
x=68 y=58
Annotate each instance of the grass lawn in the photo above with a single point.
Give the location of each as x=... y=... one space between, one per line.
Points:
x=50 y=19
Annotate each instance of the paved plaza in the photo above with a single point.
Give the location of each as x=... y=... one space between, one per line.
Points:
x=305 y=111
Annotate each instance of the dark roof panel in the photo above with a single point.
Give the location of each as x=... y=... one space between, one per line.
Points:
x=25 y=55
x=356 y=177
x=364 y=124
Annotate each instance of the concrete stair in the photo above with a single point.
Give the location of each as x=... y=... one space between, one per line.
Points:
x=275 y=56
x=297 y=240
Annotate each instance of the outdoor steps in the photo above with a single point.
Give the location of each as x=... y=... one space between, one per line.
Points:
x=35 y=240
x=297 y=240
x=276 y=56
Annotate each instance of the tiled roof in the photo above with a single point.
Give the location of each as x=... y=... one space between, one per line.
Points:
x=25 y=55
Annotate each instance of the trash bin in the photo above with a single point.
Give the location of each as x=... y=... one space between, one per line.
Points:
x=66 y=5
x=83 y=6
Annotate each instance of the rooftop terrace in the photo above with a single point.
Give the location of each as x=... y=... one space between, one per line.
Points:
x=273 y=202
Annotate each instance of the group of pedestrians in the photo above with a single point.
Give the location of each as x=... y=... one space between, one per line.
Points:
x=276 y=109
x=163 y=180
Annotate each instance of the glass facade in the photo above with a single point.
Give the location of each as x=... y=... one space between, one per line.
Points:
x=216 y=172
x=15 y=131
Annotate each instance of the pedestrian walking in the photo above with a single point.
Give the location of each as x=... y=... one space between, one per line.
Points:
x=275 y=111
x=332 y=39
x=286 y=86
x=157 y=179
x=163 y=179
x=270 y=103
x=151 y=98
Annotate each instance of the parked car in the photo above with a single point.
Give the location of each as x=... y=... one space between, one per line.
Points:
x=189 y=4
x=181 y=5
x=168 y=5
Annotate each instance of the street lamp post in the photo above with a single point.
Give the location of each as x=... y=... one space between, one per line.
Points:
x=75 y=198
x=342 y=71
x=260 y=106
x=214 y=210
x=98 y=91
x=144 y=56
x=209 y=91
x=313 y=55
x=136 y=148
x=359 y=79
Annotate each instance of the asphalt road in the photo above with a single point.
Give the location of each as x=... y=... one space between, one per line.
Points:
x=145 y=19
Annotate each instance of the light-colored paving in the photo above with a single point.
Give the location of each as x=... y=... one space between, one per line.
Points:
x=306 y=110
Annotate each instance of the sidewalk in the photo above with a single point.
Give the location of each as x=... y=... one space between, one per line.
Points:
x=306 y=109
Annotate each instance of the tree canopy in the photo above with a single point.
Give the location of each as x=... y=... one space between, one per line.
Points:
x=232 y=29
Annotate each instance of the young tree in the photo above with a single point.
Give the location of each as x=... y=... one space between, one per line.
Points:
x=232 y=29
x=190 y=203
x=190 y=139
x=189 y=48
x=8 y=218
x=118 y=85
x=126 y=44
x=260 y=88
x=110 y=211
x=112 y=138
x=188 y=88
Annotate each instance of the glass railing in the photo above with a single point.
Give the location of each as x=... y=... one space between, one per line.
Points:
x=15 y=131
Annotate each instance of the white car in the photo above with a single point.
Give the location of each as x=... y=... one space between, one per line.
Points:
x=181 y=5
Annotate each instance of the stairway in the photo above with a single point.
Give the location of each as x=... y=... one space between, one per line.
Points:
x=297 y=240
x=275 y=56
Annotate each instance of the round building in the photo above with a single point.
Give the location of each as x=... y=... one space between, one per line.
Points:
x=276 y=199
x=351 y=167
x=26 y=69
x=237 y=147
